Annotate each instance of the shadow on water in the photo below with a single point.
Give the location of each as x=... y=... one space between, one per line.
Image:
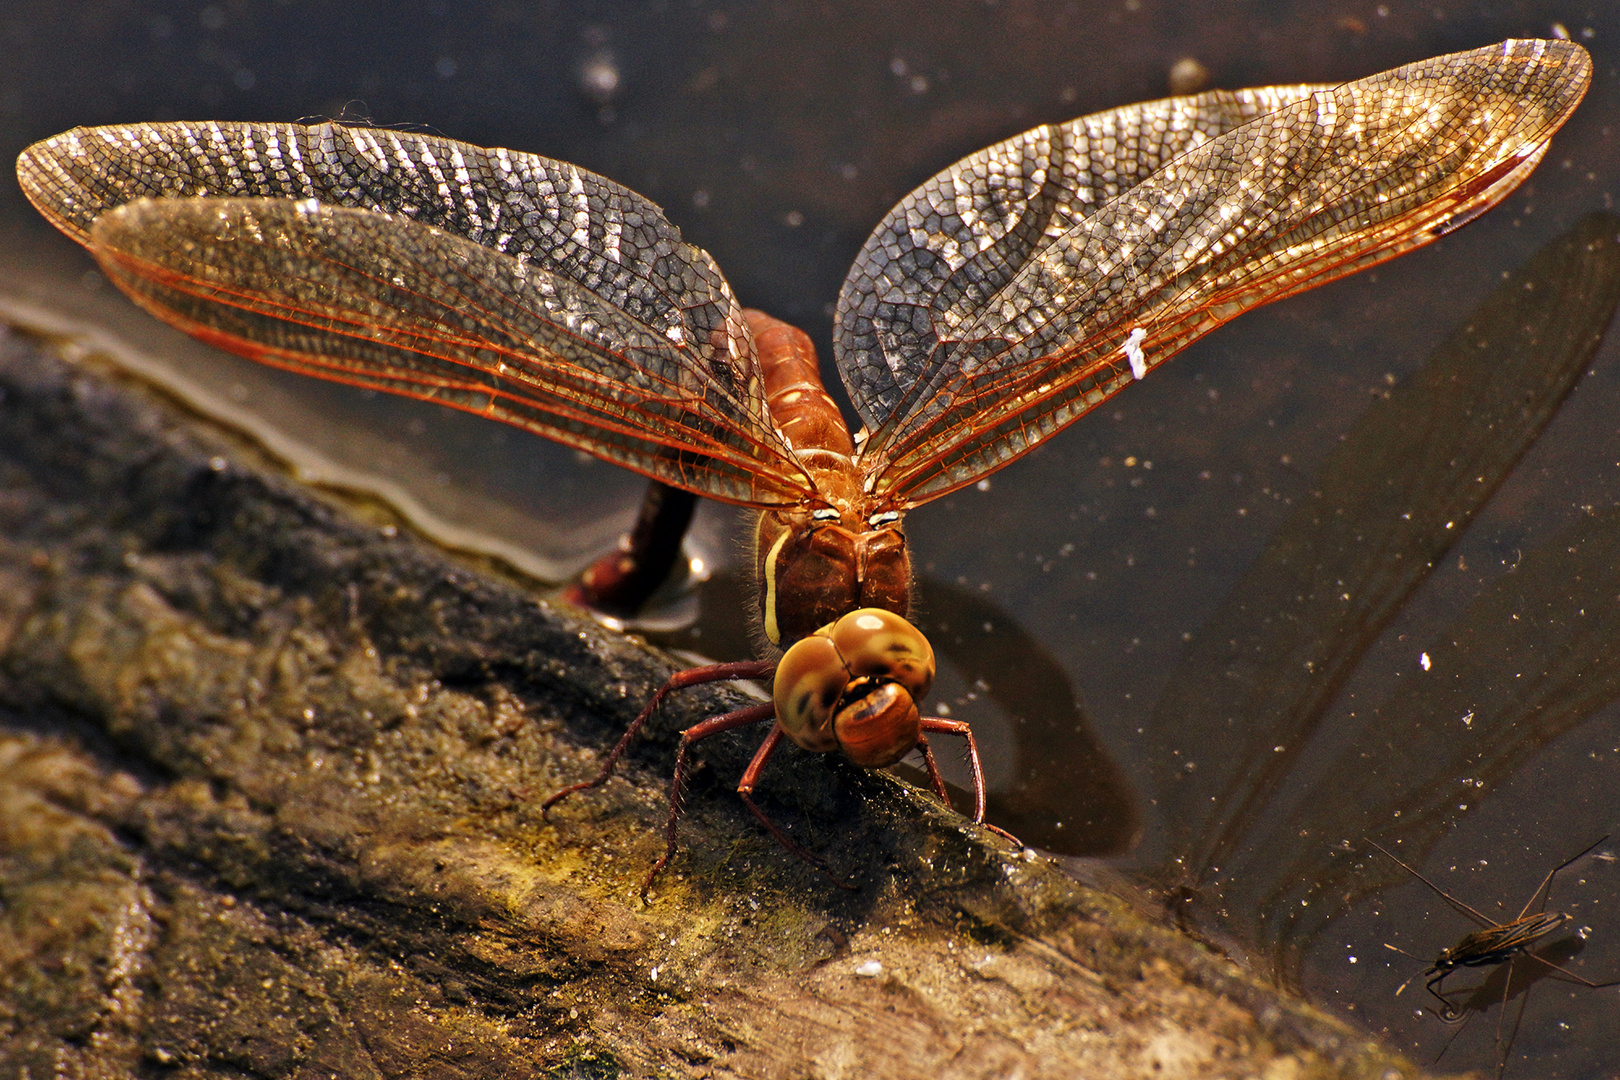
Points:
x=1265 y=825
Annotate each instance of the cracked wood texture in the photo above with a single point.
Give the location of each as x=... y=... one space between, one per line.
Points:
x=269 y=788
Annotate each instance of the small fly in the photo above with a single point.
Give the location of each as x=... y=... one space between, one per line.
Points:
x=1494 y=943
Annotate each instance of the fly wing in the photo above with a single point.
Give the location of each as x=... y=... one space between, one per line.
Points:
x=1496 y=944
x=501 y=283
x=1026 y=284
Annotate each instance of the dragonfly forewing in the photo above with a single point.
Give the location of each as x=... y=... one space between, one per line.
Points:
x=1324 y=185
x=945 y=250
x=503 y=283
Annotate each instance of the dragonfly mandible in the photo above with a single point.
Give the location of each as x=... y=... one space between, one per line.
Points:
x=992 y=307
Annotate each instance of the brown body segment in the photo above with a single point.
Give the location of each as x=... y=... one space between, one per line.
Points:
x=803 y=410
x=839 y=551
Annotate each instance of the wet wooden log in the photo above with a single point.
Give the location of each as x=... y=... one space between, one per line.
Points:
x=269 y=806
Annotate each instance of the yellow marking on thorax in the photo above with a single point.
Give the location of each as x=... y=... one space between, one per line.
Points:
x=773 y=633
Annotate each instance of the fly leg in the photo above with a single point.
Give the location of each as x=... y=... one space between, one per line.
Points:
x=1447 y=1012
x=1568 y=974
x=621 y=581
x=960 y=727
x=1546 y=882
x=742 y=669
x=1502 y=1051
x=1461 y=1022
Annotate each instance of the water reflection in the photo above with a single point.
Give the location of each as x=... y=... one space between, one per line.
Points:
x=1388 y=504
x=1265 y=821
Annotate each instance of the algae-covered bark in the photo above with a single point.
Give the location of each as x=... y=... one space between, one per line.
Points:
x=269 y=790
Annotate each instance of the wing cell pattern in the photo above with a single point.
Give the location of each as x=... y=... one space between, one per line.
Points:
x=1016 y=290
x=947 y=249
x=490 y=280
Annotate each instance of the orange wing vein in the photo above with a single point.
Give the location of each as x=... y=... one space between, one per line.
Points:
x=503 y=284
x=1020 y=288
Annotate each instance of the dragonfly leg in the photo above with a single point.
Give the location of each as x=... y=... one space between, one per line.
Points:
x=743 y=669
x=621 y=581
x=745 y=788
x=960 y=727
x=730 y=721
x=935 y=780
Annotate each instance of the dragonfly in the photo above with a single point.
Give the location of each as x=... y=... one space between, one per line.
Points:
x=1494 y=943
x=992 y=307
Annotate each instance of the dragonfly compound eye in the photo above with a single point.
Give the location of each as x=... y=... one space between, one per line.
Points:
x=810 y=681
x=853 y=686
x=881 y=644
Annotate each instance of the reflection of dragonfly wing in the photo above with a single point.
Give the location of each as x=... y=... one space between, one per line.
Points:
x=500 y=283
x=1026 y=284
x=1266 y=670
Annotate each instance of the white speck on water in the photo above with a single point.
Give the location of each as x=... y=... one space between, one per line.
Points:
x=1423 y=661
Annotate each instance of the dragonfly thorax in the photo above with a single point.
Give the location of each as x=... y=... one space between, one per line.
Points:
x=838 y=549
x=810 y=572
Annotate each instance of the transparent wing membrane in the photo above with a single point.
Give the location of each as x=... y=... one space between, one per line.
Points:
x=992 y=307
x=1018 y=289
x=501 y=283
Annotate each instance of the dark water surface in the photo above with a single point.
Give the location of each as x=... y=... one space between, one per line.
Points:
x=1143 y=617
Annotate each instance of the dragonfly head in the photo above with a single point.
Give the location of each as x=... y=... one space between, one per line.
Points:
x=853 y=686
